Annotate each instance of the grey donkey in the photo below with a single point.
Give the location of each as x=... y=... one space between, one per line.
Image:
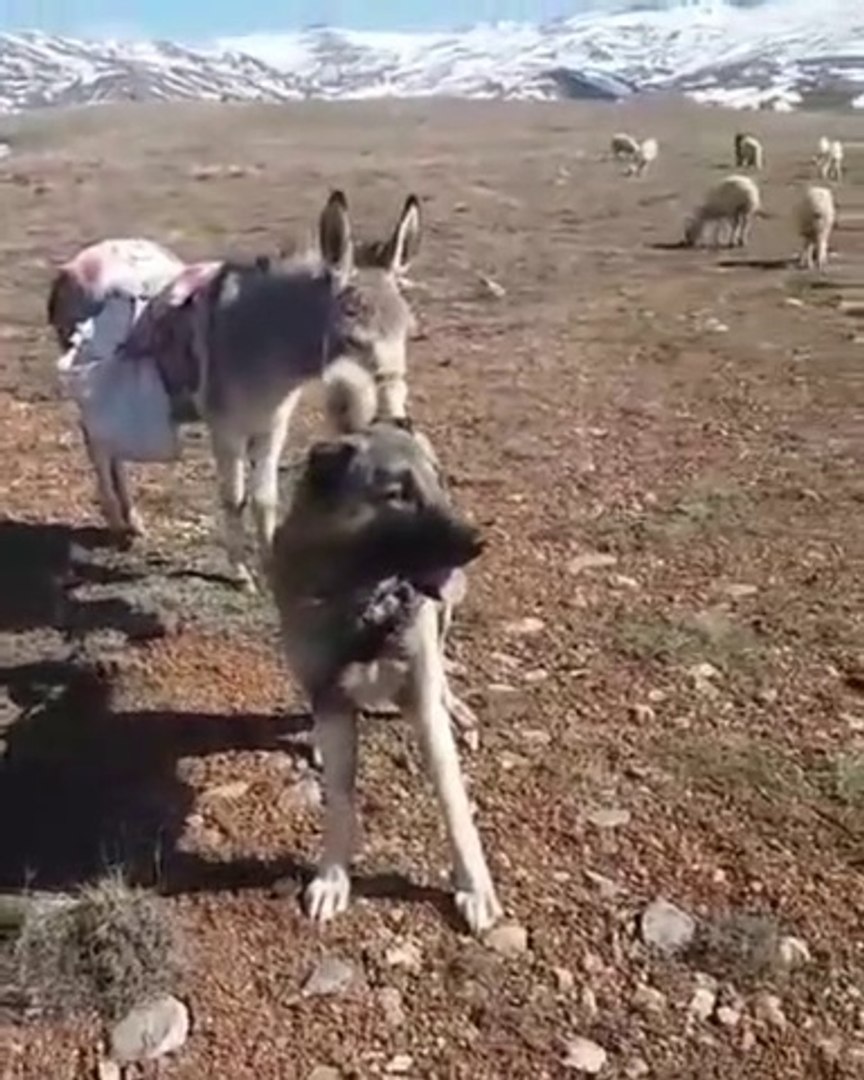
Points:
x=362 y=572
x=236 y=347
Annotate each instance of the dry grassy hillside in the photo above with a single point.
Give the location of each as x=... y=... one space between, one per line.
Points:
x=683 y=717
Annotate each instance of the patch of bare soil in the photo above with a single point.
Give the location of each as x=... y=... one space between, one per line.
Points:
x=686 y=719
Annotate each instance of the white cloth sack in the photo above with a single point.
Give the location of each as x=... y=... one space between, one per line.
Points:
x=123 y=403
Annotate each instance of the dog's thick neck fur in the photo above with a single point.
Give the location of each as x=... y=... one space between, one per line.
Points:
x=350 y=571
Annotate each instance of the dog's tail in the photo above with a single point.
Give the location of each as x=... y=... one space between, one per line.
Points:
x=350 y=396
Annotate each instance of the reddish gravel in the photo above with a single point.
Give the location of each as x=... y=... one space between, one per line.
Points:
x=695 y=416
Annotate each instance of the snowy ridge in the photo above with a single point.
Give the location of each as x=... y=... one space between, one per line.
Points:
x=774 y=53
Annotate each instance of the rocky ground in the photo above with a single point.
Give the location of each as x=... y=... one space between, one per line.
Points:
x=663 y=640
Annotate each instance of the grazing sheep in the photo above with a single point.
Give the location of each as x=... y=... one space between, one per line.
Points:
x=740 y=136
x=815 y=215
x=646 y=153
x=734 y=201
x=749 y=151
x=624 y=146
x=824 y=146
x=831 y=165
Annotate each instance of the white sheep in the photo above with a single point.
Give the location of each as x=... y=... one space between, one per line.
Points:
x=824 y=146
x=815 y=215
x=646 y=152
x=624 y=147
x=735 y=202
x=750 y=154
x=831 y=166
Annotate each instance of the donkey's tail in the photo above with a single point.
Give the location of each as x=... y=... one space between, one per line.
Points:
x=350 y=396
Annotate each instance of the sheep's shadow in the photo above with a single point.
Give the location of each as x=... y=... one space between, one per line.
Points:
x=84 y=788
x=670 y=245
x=757 y=264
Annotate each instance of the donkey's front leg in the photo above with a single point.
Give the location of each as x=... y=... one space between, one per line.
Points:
x=475 y=893
x=131 y=517
x=230 y=454
x=335 y=735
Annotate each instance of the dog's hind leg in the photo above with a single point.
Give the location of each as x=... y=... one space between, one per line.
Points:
x=266 y=451
x=475 y=893
x=335 y=734
x=230 y=454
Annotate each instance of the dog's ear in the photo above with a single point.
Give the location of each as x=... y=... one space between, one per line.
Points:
x=334 y=236
x=404 y=243
x=327 y=465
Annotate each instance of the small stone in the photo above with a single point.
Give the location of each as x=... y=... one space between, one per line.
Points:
x=738 y=591
x=636 y=1068
x=108 y=1070
x=769 y=1009
x=305 y=793
x=609 y=817
x=406 y=955
x=793 y=301
x=233 y=789
x=150 y=1030
x=728 y=1015
x=510 y=760
x=591 y=561
x=564 y=979
x=831 y=1049
x=593 y=964
x=399 y=1065
x=584 y=1055
x=588 y=1000
x=508 y=939
x=607 y=888
x=666 y=927
x=526 y=627
x=325 y=1072
x=621 y=581
x=793 y=953
x=492 y=287
x=537 y=736
x=536 y=675
x=392 y=1006
x=642 y=714
x=502 y=688
x=331 y=976
x=649 y=999
x=702 y=1003
x=748 y=1040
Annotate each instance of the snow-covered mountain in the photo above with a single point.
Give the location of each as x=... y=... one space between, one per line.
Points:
x=744 y=53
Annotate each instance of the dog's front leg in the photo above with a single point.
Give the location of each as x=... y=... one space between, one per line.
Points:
x=335 y=734
x=475 y=893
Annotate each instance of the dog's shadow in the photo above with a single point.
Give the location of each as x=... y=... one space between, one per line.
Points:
x=85 y=789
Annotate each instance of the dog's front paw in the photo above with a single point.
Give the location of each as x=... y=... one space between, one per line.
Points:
x=328 y=894
x=479 y=907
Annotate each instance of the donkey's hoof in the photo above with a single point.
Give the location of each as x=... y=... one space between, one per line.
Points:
x=135 y=525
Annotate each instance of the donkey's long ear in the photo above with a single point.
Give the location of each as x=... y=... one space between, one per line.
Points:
x=334 y=235
x=404 y=244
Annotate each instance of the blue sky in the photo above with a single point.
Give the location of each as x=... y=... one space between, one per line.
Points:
x=192 y=20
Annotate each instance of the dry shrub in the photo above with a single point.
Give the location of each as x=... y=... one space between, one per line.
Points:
x=114 y=947
x=739 y=946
